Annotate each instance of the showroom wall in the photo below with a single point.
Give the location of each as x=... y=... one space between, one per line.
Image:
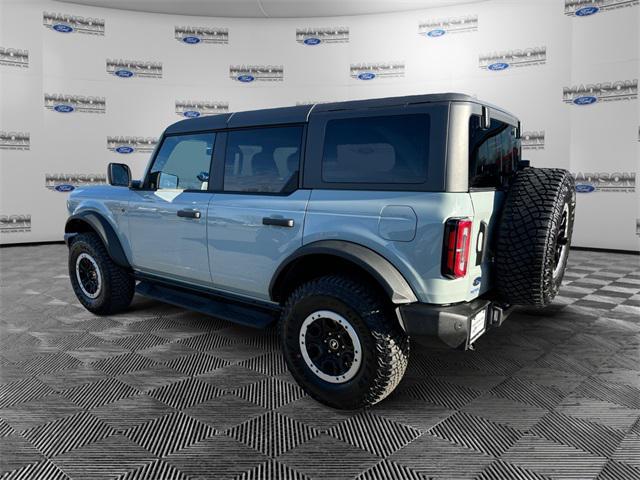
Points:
x=83 y=86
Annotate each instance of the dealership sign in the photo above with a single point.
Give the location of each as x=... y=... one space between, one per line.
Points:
x=372 y=71
x=127 y=145
x=134 y=68
x=618 y=182
x=14 y=140
x=66 y=24
x=317 y=36
x=498 y=61
x=14 y=57
x=256 y=73
x=67 y=182
x=436 y=28
x=532 y=140
x=199 y=108
x=586 y=8
x=198 y=35
x=590 y=93
x=15 y=223
x=62 y=103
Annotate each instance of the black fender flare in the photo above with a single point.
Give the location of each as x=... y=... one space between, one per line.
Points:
x=101 y=226
x=381 y=269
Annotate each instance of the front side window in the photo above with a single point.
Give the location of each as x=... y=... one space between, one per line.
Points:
x=493 y=153
x=389 y=149
x=263 y=160
x=182 y=163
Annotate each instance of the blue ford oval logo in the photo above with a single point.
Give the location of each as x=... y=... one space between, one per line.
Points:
x=586 y=11
x=191 y=114
x=191 y=40
x=62 y=28
x=436 y=33
x=246 y=78
x=124 y=73
x=498 y=66
x=124 y=149
x=64 y=108
x=585 y=100
x=585 y=188
x=311 y=41
x=476 y=281
x=65 y=187
x=367 y=76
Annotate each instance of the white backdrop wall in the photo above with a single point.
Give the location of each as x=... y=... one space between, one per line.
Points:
x=552 y=58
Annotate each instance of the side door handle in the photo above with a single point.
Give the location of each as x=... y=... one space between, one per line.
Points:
x=278 y=222
x=189 y=213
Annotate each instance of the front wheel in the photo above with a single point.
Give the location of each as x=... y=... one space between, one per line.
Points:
x=341 y=344
x=100 y=284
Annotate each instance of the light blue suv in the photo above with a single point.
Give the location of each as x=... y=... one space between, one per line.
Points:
x=361 y=225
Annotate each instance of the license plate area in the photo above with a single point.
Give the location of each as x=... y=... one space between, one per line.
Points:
x=477 y=325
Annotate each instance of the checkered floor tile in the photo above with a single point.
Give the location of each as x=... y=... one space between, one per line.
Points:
x=162 y=393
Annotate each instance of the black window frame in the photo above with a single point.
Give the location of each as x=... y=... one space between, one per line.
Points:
x=220 y=160
x=436 y=167
x=147 y=176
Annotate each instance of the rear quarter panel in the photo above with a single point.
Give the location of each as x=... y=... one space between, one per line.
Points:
x=355 y=216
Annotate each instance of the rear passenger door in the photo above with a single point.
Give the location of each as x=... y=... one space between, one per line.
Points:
x=257 y=215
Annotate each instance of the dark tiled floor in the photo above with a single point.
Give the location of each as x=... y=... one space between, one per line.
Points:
x=163 y=393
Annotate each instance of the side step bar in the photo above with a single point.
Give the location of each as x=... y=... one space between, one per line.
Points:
x=232 y=312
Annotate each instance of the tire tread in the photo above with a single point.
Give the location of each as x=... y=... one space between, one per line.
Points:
x=391 y=343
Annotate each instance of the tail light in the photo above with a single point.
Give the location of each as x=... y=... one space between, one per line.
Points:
x=455 y=251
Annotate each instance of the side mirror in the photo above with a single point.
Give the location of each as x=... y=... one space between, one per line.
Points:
x=168 y=181
x=118 y=175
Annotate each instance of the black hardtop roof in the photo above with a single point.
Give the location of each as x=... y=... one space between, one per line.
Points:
x=301 y=113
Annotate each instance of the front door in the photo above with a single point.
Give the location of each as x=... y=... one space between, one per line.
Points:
x=257 y=219
x=168 y=217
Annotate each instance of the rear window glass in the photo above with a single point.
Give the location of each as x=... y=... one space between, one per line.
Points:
x=382 y=149
x=263 y=160
x=493 y=153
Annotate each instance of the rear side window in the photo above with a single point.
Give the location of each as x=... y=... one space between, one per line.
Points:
x=263 y=160
x=383 y=149
x=493 y=153
x=182 y=163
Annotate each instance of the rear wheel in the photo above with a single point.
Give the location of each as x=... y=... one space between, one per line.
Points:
x=534 y=236
x=102 y=286
x=341 y=344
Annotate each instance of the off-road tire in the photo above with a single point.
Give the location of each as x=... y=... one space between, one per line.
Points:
x=118 y=286
x=526 y=271
x=385 y=347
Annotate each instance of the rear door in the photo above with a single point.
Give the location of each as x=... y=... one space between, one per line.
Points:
x=257 y=218
x=493 y=157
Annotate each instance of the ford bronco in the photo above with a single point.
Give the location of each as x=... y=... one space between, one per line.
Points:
x=359 y=226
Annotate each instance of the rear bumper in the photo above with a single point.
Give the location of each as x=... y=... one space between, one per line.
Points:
x=453 y=325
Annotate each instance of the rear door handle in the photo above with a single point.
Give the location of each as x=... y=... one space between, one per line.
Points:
x=278 y=222
x=189 y=213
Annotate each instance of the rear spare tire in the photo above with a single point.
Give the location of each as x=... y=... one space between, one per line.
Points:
x=534 y=236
